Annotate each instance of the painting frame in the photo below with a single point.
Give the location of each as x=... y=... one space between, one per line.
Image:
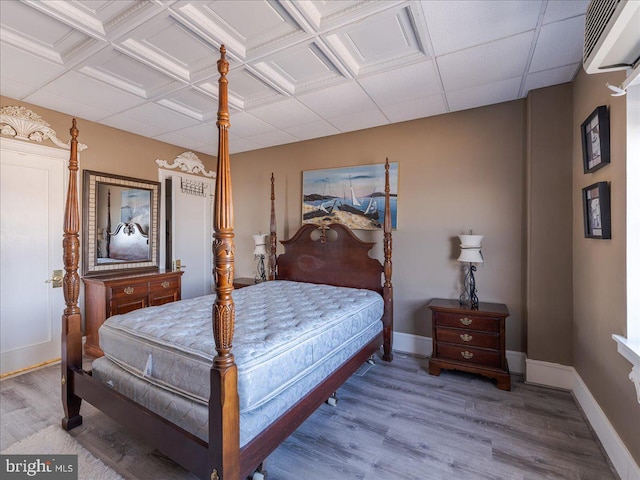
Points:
x=596 y=207
x=351 y=195
x=596 y=144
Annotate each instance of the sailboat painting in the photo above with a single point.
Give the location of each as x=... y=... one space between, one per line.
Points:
x=353 y=196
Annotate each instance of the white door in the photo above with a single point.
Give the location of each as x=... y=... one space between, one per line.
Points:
x=191 y=230
x=32 y=195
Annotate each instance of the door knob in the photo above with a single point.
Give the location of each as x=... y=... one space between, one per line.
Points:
x=56 y=279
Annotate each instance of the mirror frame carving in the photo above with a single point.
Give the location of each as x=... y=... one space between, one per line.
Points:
x=90 y=266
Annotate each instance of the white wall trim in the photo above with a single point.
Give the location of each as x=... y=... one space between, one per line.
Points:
x=419 y=345
x=561 y=376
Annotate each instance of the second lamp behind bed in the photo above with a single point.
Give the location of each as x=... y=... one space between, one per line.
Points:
x=259 y=252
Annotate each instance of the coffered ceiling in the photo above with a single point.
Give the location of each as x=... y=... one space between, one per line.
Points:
x=299 y=69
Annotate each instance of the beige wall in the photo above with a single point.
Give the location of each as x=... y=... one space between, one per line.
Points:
x=111 y=150
x=549 y=228
x=599 y=268
x=457 y=171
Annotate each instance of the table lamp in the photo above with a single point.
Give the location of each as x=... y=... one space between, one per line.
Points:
x=470 y=254
x=259 y=252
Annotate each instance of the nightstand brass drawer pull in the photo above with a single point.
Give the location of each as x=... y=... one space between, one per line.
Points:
x=465 y=337
x=466 y=355
x=466 y=321
x=129 y=290
x=165 y=284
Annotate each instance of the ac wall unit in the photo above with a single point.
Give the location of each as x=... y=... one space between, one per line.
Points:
x=612 y=35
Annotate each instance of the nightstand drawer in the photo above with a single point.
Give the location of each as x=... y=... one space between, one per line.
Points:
x=467 y=321
x=467 y=354
x=468 y=337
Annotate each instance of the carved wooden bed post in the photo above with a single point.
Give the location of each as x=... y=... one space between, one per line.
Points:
x=273 y=237
x=71 y=319
x=387 y=291
x=224 y=416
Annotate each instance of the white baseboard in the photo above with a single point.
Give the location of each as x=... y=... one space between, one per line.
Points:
x=562 y=376
x=419 y=345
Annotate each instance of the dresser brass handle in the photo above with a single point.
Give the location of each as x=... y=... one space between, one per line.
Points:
x=165 y=284
x=466 y=321
x=129 y=290
x=466 y=355
x=465 y=337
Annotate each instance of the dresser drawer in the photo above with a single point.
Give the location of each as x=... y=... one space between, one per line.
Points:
x=164 y=285
x=468 y=337
x=466 y=321
x=130 y=290
x=127 y=304
x=468 y=354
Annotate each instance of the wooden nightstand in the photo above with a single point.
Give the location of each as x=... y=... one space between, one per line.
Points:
x=470 y=340
x=243 y=282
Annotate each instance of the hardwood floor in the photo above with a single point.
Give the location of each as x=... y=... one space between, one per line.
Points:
x=393 y=421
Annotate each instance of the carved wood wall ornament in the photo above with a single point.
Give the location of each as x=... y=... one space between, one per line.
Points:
x=24 y=124
x=187 y=162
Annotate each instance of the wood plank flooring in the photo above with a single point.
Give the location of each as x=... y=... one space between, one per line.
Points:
x=393 y=421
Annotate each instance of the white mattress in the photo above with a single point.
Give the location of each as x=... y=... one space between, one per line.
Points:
x=193 y=415
x=284 y=330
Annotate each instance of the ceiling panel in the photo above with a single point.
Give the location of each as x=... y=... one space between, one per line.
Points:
x=338 y=100
x=284 y=114
x=418 y=108
x=566 y=33
x=362 y=49
x=40 y=34
x=191 y=102
x=486 y=63
x=460 y=24
x=481 y=95
x=78 y=89
x=552 y=76
x=124 y=72
x=164 y=44
x=400 y=85
x=247 y=28
x=308 y=131
x=23 y=72
x=298 y=69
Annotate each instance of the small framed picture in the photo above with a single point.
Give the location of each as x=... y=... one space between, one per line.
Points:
x=595 y=140
x=596 y=207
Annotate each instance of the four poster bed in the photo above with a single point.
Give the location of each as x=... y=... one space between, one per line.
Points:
x=218 y=382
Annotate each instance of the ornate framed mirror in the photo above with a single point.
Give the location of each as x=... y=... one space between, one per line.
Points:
x=120 y=224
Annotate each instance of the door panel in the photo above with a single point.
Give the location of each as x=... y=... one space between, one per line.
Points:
x=31 y=211
x=191 y=231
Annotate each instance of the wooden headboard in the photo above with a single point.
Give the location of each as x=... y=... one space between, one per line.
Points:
x=330 y=254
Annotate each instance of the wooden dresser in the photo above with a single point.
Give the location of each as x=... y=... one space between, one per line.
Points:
x=470 y=340
x=114 y=294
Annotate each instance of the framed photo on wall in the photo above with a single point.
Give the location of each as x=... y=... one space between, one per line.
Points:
x=596 y=206
x=595 y=140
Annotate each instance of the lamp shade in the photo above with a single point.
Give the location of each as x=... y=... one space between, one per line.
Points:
x=260 y=241
x=470 y=241
x=470 y=246
x=260 y=250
